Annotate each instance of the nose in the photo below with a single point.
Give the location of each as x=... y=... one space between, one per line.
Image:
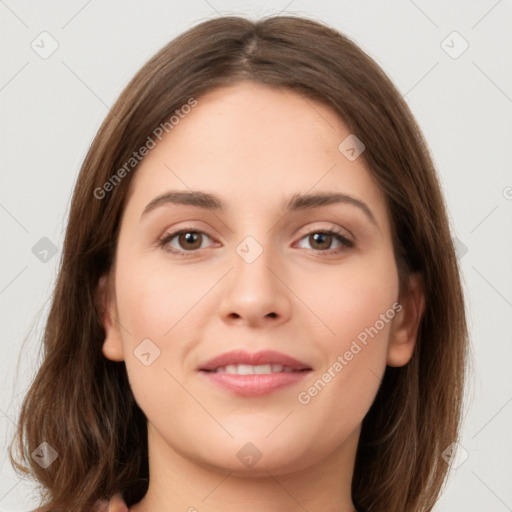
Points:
x=254 y=293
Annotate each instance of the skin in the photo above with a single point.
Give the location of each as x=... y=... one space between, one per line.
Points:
x=246 y=143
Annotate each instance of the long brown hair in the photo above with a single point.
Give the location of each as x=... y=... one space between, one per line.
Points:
x=81 y=403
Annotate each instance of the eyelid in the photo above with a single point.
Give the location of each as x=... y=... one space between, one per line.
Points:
x=164 y=240
x=332 y=227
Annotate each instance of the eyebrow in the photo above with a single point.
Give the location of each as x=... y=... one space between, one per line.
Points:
x=296 y=202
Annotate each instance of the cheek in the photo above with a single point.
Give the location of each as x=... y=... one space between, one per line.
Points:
x=149 y=308
x=347 y=299
x=155 y=300
x=357 y=306
x=160 y=309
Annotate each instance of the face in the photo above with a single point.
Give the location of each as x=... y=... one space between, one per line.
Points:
x=313 y=281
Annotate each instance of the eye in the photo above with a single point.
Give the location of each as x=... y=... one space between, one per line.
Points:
x=188 y=240
x=322 y=240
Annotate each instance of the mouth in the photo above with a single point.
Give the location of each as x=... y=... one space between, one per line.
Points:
x=253 y=374
x=261 y=369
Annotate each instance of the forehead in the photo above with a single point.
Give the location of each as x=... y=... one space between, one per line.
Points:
x=254 y=146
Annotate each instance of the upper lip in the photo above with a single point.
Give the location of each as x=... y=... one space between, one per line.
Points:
x=254 y=359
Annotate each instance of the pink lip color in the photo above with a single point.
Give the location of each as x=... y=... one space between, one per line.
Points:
x=253 y=385
x=256 y=358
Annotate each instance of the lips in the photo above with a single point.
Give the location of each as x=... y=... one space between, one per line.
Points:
x=253 y=374
x=243 y=359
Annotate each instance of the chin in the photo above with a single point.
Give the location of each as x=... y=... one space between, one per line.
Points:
x=257 y=456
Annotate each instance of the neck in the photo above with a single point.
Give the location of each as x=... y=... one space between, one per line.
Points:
x=178 y=482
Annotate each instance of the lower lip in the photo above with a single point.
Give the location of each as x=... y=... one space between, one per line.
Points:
x=254 y=385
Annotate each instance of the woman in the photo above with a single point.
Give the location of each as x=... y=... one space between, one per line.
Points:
x=259 y=304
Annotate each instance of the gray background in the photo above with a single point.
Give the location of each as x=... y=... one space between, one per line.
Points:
x=52 y=107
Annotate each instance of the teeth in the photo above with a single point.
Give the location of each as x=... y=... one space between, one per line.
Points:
x=244 y=369
x=262 y=369
x=247 y=369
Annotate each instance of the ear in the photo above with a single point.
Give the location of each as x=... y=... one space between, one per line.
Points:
x=112 y=346
x=405 y=328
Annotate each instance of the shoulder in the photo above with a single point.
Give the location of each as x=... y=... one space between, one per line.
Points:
x=116 y=504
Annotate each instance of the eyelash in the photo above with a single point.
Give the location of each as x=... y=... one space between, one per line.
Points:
x=337 y=235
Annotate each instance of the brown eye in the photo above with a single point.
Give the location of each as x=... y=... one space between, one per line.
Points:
x=184 y=241
x=189 y=240
x=320 y=241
